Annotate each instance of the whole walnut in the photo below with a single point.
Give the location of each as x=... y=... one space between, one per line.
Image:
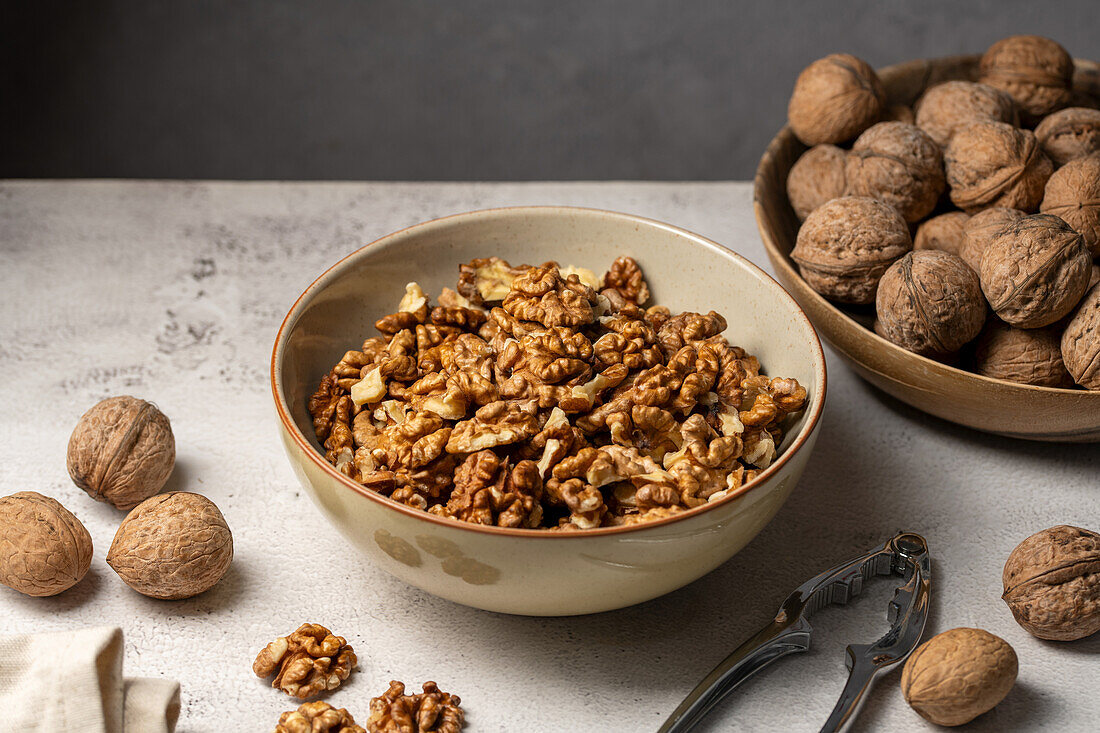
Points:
x=930 y=302
x=956 y=676
x=980 y=230
x=946 y=107
x=1052 y=583
x=846 y=244
x=995 y=164
x=1035 y=271
x=122 y=451
x=816 y=177
x=898 y=164
x=1027 y=356
x=1081 y=341
x=44 y=549
x=1070 y=133
x=835 y=99
x=172 y=546
x=1036 y=71
x=1073 y=194
x=944 y=232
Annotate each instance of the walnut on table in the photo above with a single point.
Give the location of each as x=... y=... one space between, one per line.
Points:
x=317 y=717
x=547 y=397
x=431 y=711
x=307 y=662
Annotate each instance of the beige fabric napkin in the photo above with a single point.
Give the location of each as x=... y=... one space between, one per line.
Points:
x=72 y=681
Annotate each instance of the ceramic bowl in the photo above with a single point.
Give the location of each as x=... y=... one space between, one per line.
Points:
x=992 y=405
x=531 y=571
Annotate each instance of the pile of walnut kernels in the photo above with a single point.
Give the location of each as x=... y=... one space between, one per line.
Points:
x=997 y=180
x=548 y=397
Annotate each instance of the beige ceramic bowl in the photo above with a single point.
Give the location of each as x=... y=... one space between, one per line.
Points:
x=993 y=405
x=530 y=571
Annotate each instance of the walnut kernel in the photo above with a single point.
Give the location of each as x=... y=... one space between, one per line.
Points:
x=956 y=676
x=1073 y=194
x=816 y=177
x=995 y=164
x=835 y=99
x=944 y=232
x=44 y=548
x=1070 y=133
x=172 y=546
x=1035 y=271
x=122 y=451
x=431 y=711
x=899 y=164
x=307 y=662
x=845 y=245
x=930 y=302
x=1052 y=583
x=953 y=104
x=1036 y=71
x=317 y=717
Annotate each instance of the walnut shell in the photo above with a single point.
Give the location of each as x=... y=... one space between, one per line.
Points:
x=980 y=230
x=1035 y=271
x=944 y=232
x=1027 y=356
x=1070 y=133
x=835 y=99
x=899 y=113
x=898 y=164
x=1081 y=341
x=956 y=676
x=44 y=549
x=946 y=107
x=995 y=164
x=172 y=546
x=1036 y=71
x=816 y=177
x=122 y=451
x=930 y=303
x=1052 y=583
x=1073 y=193
x=846 y=244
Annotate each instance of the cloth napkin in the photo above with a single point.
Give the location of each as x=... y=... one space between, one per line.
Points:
x=72 y=681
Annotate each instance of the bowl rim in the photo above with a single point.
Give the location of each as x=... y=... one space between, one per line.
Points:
x=782 y=262
x=811 y=418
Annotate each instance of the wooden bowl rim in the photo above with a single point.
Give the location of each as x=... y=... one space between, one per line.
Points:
x=782 y=262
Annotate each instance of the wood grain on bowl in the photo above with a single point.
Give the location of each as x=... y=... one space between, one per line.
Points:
x=962 y=397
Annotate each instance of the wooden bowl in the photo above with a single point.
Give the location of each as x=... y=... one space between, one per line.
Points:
x=992 y=405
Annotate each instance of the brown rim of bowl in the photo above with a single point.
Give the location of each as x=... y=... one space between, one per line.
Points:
x=810 y=419
x=782 y=261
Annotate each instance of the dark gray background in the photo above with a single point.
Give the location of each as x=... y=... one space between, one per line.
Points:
x=456 y=90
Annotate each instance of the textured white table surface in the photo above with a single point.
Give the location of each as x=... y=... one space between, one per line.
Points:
x=173 y=292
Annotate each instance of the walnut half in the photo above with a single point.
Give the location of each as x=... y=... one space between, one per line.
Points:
x=432 y=711
x=307 y=662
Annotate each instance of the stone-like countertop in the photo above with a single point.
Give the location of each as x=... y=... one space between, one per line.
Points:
x=173 y=292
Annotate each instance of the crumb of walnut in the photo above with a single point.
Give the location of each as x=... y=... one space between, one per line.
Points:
x=431 y=711
x=307 y=662
x=317 y=717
